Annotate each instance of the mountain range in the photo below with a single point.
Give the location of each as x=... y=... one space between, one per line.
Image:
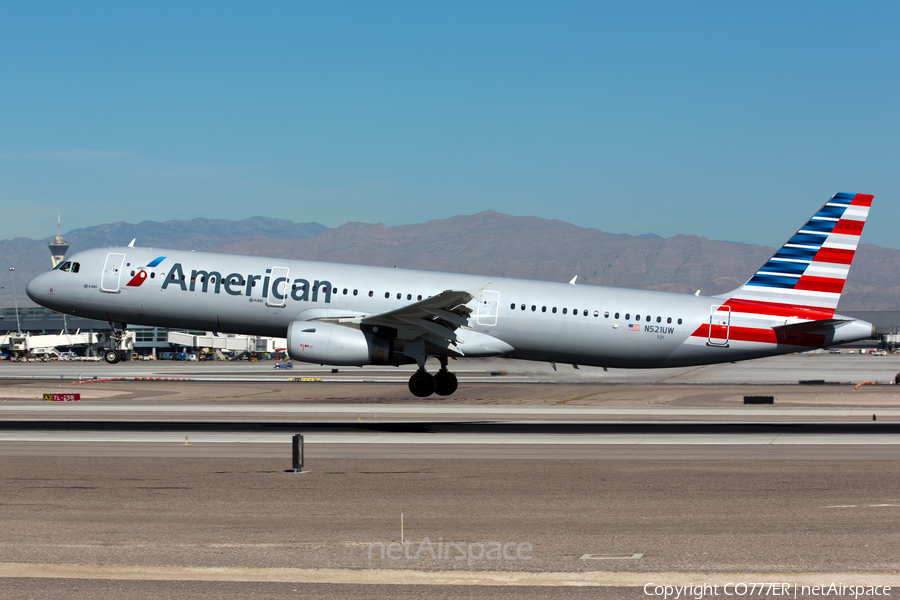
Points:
x=488 y=243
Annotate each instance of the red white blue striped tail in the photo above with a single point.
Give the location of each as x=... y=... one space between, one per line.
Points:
x=805 y=278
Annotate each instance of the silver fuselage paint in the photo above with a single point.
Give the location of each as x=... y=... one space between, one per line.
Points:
x=245 y=308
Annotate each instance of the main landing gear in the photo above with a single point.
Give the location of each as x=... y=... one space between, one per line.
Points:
x=442 y=383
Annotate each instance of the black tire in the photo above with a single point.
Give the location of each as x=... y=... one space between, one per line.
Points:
x=445 y=383
x=421 y=384
x=111 y=356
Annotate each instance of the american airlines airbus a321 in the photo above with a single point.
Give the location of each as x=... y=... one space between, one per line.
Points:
x=344 y=315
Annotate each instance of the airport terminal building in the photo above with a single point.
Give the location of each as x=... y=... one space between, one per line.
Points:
x=41 y=331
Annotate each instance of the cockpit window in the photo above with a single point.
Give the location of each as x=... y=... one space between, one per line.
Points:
x=75 y=267
x=65 y=266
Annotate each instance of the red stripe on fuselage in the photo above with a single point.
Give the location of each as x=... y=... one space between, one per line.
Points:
x=764 y=336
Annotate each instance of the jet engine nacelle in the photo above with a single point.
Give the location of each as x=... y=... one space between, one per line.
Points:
x=330 y=344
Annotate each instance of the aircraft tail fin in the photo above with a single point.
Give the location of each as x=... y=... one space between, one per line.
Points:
x=805 y=278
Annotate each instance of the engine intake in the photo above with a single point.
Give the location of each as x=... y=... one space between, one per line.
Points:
x=330 y=344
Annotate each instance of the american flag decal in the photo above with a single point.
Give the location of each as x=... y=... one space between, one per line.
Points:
x=634 y=327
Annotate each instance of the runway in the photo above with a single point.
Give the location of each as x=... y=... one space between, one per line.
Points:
x=843 y=368
x=105 y=496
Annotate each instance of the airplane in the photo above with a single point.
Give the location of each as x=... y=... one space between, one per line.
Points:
x=350 y=315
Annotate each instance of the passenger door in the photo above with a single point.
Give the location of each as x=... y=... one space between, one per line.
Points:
x=487 y=308
x=112 y=273
x=281 y=286
x=719 y=325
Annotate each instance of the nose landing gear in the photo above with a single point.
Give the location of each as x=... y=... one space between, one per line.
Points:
x=115 y=354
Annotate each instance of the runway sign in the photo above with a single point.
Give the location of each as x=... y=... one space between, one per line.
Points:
x=62 y=397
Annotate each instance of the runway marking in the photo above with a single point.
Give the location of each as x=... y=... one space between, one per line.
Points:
x=412 y=577
x=499 y=439
x=440 y=409
x=862 y=505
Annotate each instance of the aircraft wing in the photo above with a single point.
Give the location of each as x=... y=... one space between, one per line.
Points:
x=434 y=320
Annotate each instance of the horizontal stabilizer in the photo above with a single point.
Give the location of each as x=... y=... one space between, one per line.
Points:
x=811 y=326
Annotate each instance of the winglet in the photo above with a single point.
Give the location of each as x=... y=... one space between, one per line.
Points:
x=131 y=245
x=573 y=280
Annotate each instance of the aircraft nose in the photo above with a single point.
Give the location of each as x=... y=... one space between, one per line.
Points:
x=36 y=289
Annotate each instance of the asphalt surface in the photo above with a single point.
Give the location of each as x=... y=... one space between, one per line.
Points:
x=697 y=518
x=119 y=515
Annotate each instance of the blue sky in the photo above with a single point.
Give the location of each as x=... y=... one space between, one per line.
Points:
x=728 y=120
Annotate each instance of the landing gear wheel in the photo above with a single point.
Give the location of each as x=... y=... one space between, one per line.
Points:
x=421 y=384
x=111 y=356
x=445 y=383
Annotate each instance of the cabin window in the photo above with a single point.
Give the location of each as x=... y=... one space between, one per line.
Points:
x=575 y=311
x=512 y=307
x=371 y=293
x=419 y=297
x=345 y=291
x=409 y=296
x=565 y=311
x=669 y=320
x=399 y=295
x=355 y=292
x=132 y=273
x=543 y=309
x=387 y=294
x=679 y=321
x=523 y=307
x=554 y=310
x=606 y=314
x=596 y=313
x=659 y=319
x=586 y=313
x=627 y=316
x=152 y=275
x=616 y=316
x=533 y=308
x=648 y=318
